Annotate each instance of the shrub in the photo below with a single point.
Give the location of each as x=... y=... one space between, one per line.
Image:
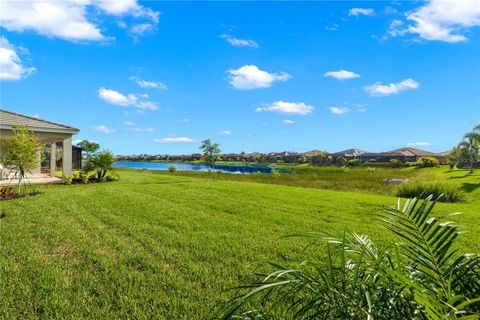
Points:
x=421 y=189
x=84 y=176
x=5 y=191
x=354 y=162
x=67 y=178
x=102 y=163
x=417 y=277
x=395 y=163
x=370 y=169
x=172 y=168
x=341 y=161
x=425 y=162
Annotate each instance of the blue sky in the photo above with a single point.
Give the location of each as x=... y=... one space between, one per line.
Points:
x=158 y=77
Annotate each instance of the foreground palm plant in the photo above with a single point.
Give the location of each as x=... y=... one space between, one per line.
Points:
x=420 y=277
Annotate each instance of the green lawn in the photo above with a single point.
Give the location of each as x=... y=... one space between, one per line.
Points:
x=164 y=246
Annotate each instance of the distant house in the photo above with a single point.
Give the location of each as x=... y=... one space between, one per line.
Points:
x=349 y=153
x=402 y=154
x=48 y=132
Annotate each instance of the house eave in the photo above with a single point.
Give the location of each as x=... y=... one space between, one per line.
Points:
x=49 y=130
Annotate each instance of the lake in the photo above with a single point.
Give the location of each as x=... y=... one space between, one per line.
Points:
x=186 y=166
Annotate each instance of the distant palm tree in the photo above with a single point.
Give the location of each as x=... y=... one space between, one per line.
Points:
x=470 y=145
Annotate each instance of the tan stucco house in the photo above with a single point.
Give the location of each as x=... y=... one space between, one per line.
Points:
x=48 y=132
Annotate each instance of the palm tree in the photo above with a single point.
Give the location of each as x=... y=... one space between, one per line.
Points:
x=470 y=145
x=422 y=276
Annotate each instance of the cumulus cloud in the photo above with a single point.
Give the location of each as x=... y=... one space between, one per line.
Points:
x=360 y=11
x=128 y=123
x=114 y=97
x=380 y=90
x=149 y=84
x=69 y=20
x=103 y=129
x=239 y=42
x=182 y=121
x=341 y=74
x=11 y=66
x=418 y=144
x=251 y=77
x=225 y=133
x=287 y=121
x=444 y=20
x=339 y=110
x=296 y=108
x=176 y=140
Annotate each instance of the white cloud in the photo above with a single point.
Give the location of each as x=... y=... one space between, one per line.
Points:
x=141 y=129
x=104 y=129
x=341 y=74
x=11 y=66
x=286 y=121
x=128 y=123
x=148 y=84
x=379 y=90
x=298 y=108
x=69 y=20
x=175 y=140
x=339 y=110
x=225 y=133
x=120 y=99
x=419 y=144
x=251 y=77
x=184 y=121
x=444 y=20
x=360 y=11
x=239 y=42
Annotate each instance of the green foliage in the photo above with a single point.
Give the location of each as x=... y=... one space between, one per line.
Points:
x=101 y=163
x=421 y=277
x=341 y=161
x=67 y=178
x=395 y=163
x=20 y=152
x=84 y=176
x=354 y=162
x=428 y=162
x=172 y=168
x=211 y=151
x=451 y=193
x=88 y=147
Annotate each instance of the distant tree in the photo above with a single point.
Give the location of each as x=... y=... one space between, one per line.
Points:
x=88 y=147
x=454 y=156
x=211 y=151
x=470 y=146
x=20 y=153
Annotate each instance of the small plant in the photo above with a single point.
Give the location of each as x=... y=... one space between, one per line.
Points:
x=5 y=192
x=84 y=176
x=370 y=169
x=67 y=178
x=172 y=168
x=427 y=162
x=275 y=172
x=421 y=189
x=395 y=163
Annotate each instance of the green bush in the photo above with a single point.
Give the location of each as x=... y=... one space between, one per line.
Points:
x=422 y=189
x=420 y=276
x=67 y=178
x=426 y=162
x=172 y=168
x=354 y=162
x=395 y=163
